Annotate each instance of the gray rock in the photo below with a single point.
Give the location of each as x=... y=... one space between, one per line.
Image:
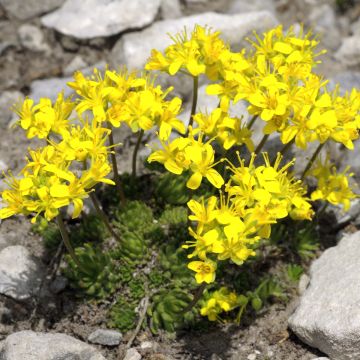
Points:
x=323 y=20
x=303 y=283
x=145 y=345
x=328 y=314
x=7 y=100
x=77 y=63
x=321 y=358
x=20 y=274
x=105 y=337
x=132 y=354
x=170 y=9
x=24 y=10
x=86 y=19
x=32 y=38
x=242 y=6
x=4 y=46
x=59 y=284
x=355 y=27
x=30 y=345
x=134 y=49
x=50 y=88
x=347 y=81
x=3 y=167
x=349 y=51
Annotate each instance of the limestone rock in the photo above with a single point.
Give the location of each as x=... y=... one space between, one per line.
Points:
x=323 y=20
x=32 y=38
x=24 y=10
x=77 y=63
x=49 y=88
x=328 y=315
x=105 y=337
x=7 y=101
x=30 y=345
x=52 y=86
x=242 y=6
x=132 y=354
x=20 y=274
x=86 y=19
x=134 y=49
x=347 y=81
x=355 y=27
x=170 y=9
x=349 y=51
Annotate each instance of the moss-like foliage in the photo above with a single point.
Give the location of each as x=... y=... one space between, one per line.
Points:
x=171 y=189
x=167 y=310
x=98 y=276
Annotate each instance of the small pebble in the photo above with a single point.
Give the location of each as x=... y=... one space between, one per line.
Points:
x=132 y=354
x=105 y=337
x=303 y=283
x=146 y=345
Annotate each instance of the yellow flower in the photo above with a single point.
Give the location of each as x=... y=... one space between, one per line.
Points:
x=219 y=301
x=332 y=187
x=205 y=271
x=202 y=162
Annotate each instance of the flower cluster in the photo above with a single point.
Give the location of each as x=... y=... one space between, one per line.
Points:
x=50 y=180
x=275 y=79
x=75 y=157
x=228 y=227
x=218 y=302
x=332 y=186
x=190 y=153
x=122 y=97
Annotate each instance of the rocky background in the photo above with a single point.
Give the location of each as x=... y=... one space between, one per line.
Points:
x=42 y=42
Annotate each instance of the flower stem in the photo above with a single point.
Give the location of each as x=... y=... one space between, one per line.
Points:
x=137 y=146
x=261 y=144
x=286 y=147
x=252 y=121
x=311 y=161
x=115 y=170
x=196 y=298
x=102 y=215
x=194 y=101
x=67 y=242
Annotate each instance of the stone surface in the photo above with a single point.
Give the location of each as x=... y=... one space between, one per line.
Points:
x=323 y=21
x=243 y=6
x=328 y=315
x=170 y=9
x=3 y=167
x=86 y=19
x=77 y=63
x=49 y=88
x=347 y=81
x=52 y=86
x=145 y=345
x=132 y=354
x=59 y=284
x=7 y=100
x=20 y=274
x=29 y=345
x=105 y=337
x=349 y=51
x=303 y=283
x=355 y=27
x=32 y=38
x=24 y=10
x=134 y=49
